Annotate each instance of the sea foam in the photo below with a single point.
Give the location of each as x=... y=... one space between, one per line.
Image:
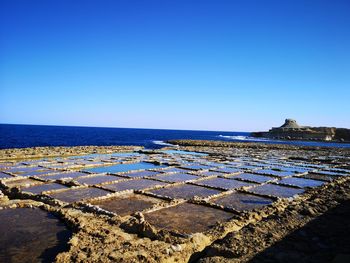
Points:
x=162 y=143
x=243 y=138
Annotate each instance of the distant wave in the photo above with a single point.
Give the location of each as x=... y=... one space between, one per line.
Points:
x=243 y=138
x=163 y=143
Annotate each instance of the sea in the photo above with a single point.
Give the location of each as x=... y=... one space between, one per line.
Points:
x=21 y=136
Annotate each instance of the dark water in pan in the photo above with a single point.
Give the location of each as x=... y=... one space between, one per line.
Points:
x=31 y=235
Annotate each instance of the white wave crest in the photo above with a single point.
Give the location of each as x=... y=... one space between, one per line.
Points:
x=242 y=138
x=162 y=143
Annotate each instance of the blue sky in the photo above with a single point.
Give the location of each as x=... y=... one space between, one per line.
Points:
x=211 y=65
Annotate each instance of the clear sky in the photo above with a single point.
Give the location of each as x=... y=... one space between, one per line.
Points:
x=212 y=65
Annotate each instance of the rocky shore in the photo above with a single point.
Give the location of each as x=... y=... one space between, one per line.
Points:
x=60 y=151
x=305 y=222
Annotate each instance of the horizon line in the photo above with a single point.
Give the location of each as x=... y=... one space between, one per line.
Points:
x=110 y=127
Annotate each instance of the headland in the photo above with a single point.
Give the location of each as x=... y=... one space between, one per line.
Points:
x=291 y=130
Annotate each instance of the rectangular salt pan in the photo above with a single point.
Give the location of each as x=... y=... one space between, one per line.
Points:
x=178 y=177
x=22 y=183
x=227 y=170
x=293 y=169
x=121 y=168
x=276 y=190
x=31 y=235
x=196 y=167
x=242 y=201
x=253 y=177
x=141 y=174
x=274 y=173
x=174 y=170
x=187 y=218
x=224 y=183
x=38 y=189
x=210 y=173
x=184 y=152
x=185 y=191
x=330 y=173
x=4 y=176
x=79 y=194
x=126 y=205
x=63 y=175
x=301 y=182
x=137 y=184
x=38 y=172
x=22 y=169
x=98 y=179
x=326 y=178
x=249 y=167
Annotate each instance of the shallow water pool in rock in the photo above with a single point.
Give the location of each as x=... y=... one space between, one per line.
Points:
x=228 y=170
x=137 y=184
x=187 y=218
x=326 y=178
x=224 y=183
x=38 y=172
x=141 y=174
x=340 y=170
x=185 y=191
x=121 y=168
x=196 y=167
x=330 y=173
x=79 y=194
x=249 y=167
x=63 y=175
x=31 y=235
x=178 y=177
x=128 y=204
x=210 y=173
x=23 y=168
x=294 y=169
x=253 y=177
x=242 y=201
x=174 y=170
x=276 y=190
x=124 y=154
x=38 y=189
x=184 y=152
x=5 y=176
x=301 y=182
x=98 y=179
x=274 y=172
x=22 y=182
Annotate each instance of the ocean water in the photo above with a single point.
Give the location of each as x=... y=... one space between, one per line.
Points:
x=20 y=136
